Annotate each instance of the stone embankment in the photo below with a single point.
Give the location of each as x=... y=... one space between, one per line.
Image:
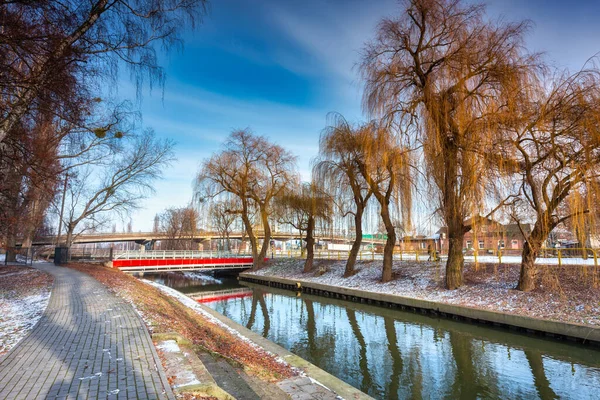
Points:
x=560 y=330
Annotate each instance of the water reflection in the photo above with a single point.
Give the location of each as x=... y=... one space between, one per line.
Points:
x=542 y=384
x=191 y=282
x=397 y=365
x=392 y=354
x=258 y=297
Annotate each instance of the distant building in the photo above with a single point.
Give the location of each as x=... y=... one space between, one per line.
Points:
x=419 y=243
x=489 y=235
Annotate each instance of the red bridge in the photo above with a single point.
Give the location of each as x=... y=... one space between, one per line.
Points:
x=162 y=261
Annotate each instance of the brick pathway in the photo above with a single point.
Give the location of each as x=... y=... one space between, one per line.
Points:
x=89 y=344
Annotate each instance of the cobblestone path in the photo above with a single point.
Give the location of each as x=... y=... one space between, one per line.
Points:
x=89 y=344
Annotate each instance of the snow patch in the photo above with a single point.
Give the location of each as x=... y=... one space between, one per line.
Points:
x=19 y=315
x=169 y=346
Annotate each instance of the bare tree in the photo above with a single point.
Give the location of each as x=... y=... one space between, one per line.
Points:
x=551 y=151
x=94 y=193
x=336 y=169
x=41 y=40
x=445 y=73
x=386 y=168
x=180 y=225
x=255 y=171
x=223 y=215
x=301 y=207
x=42 y=150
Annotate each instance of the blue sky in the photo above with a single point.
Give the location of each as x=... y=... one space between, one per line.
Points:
x=278 y=67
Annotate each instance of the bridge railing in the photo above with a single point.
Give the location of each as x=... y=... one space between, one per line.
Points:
x=557 y=256
x=168 y=254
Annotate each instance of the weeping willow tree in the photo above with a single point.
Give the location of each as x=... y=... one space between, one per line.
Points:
x=447 y=72
x=386 y=168
x=336 y=169
x=301 y=207
x=254 y=171
x=554 y=145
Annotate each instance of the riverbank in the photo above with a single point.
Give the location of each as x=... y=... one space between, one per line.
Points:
x=24 y=295
x=222 y=349
x=563 y=296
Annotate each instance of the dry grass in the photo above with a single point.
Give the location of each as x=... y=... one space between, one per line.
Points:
x=166 y=314
x=20 y=281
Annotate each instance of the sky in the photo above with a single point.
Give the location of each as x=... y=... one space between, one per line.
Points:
x=279 y=67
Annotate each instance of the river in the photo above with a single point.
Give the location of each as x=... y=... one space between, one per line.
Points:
x=393 y=354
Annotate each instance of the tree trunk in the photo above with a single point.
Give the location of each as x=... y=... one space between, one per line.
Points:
x=250 y=232
x=388 y=250
x=11 y=243
x=69 y=238
x=349 y=271
x=452 y=203
x=528 y=275
x=310 y=245
x=264 y=216
x=454 y=265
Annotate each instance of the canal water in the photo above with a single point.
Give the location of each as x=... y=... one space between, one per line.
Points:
x=393 y=354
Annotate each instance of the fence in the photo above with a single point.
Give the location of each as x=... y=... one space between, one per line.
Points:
x=556 y=256
x=22 y=255
x=90 y=255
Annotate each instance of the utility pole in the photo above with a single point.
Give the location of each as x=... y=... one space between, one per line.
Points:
x=62 y=209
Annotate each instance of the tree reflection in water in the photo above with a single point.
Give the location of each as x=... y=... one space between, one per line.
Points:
x=367 y=380
x=536 y=363
x=397 y=365
x=258 y=297
x=394 y=354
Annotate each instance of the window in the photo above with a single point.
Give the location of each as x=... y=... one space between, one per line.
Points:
x=469 y=244
x=423 y=245
x=514 y=244
x=500 y=244
x=481 y=244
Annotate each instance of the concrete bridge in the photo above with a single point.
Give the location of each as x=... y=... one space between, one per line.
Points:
x=199 y=237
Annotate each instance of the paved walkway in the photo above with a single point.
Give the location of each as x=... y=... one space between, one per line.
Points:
x=89 y=344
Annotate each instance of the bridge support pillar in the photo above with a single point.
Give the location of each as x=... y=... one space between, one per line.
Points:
x=142 y=244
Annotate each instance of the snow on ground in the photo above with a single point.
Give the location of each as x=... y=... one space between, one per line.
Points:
x=565 y=294
x=24 y=295
x=540 y=260
x=190 y=303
